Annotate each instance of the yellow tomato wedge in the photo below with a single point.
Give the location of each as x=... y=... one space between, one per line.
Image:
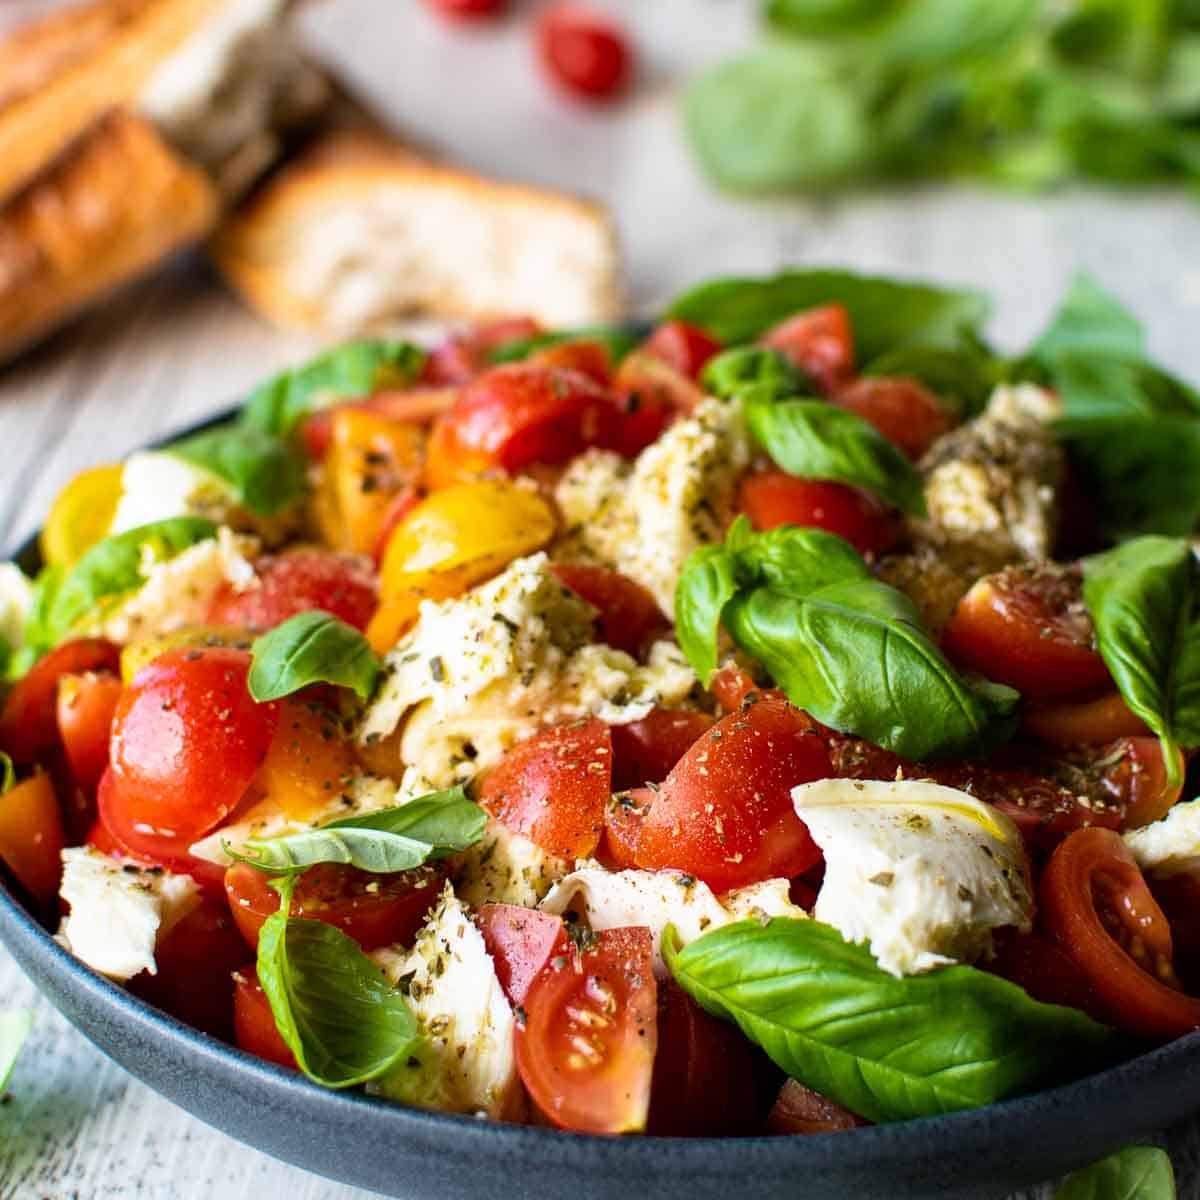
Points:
x=307 y=765
x=81 y=515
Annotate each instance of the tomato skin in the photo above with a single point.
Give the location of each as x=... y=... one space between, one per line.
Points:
x=730 y=686
x=1083 y=722
x=1178 y=895
x=1134 y=774
x=1038 y=965
x=29 y=719
x=405 y=406
x=254 y=1023
x=906 y=412
x=799 y=1111
x=820 y=342
x=1093 y=894
x=628 y=617
x=84 y=713
x=771 y=498
x=553 y=787
x=31 y=836
x=187 y=739
x=339 y=584
x=583 y=51
x=645 y=751
x=724 y=814
x=623 y=817
x=468 y=10
x=521 y=942
x=586 y=1049
x=588 y=357
x=1026 y=626
x=375 y=910
x=684 y=346
x=652 y=394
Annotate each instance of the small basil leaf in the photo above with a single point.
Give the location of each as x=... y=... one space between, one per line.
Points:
x=37 y=635
x=448 y=821
x=332 y=1005
x=1135 y=1173
x=311 y=647
x=886 y=1048
x=355 y=369
x=265 y=474
x=734 y=371
x=796 y=561
x=617 y=340
x=707 y=584
x=1091 y=323
x=14 y=1029
x=817 y=440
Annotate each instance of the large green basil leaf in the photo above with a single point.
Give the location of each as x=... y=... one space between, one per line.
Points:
x=744 y=368
x=707 y=584
x=332 y=1005
x=14 y=1029
x=113 y=567
x=265 y=474
x=1135 y=1173
x=312 y=647
x=343 y=373
x=1144 y=598
x=793 y=560
x=817 y=440
x=886 y=1048
x=885 y=314
x=618 y=340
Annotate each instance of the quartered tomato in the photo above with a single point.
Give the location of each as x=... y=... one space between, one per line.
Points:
x=820 y=342
x=724 y=814
x=628 y=617
x=586 y=1050
x=307 y=763
x=645 y=751
x=254 y=1023
x=342 y=585
x=651 y=394
x=583 y=50
x=521 y=942
x=553 y=787
x=85 y=709
x=463 y=355
x=798 y=1111
x=772 y=498
x=683 y=346
x=31 y=835
x=1027 y=626
x=375 y=910
x=1096 y=904
x=906 y=412
x=1082 y=722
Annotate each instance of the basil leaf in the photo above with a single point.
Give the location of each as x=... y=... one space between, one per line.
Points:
x=311 y=647
x=792 y=560
x=1090 y=322
x=14 y=1029
x=264 y=473
x=1135 y=1173
x=113 y=567
x=734 y=371
x=706 y=585
x=885 y=314
x=343 y=373
x=886 y=1048
x=332 y=1005
x=617 y=340
x=1144 y=598
x=817 y=440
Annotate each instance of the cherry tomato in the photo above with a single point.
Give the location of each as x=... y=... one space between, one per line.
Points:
x=307 y=761
x=1027 y=626
x=724 y=814
x=623 y=817
x=339 y=584
x=771 y=498
x=906 y=412
x=1082 y=722
x=820 y=342
x=1133 y=774
x=29 y=719
x=1178 y=895
x=652 y=394
x=1095 y=903
x=588 y=357
x=187 y=739
x=521 y=942
x=398 y=508
x=645 y=751
x=31 y=835
x=683 y=346
x=465 y=354
x=553 y=787
x=799 y=1111
x=586 y=1049
x=407 y=406
x=628 y=616
x=584 y=51
x=254 y=1023
x=730 y=686
x=85 y=708
x=469 y=10
x=375 y=910
x=1036 y=963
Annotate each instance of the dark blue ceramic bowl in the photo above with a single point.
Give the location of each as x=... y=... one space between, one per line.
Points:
x=417 y=1155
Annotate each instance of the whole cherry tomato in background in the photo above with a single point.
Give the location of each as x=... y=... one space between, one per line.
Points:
x=584 y=51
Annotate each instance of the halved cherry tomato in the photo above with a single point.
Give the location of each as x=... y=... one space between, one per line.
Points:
x=31 y=835
x=521 y=942
x=81 y=515
x=1134 y=775
x=623 y=817
x=684 y=346
x=905 y=411
x=730 y=686
x=628 y=616
x=465 y=354
x=1083 y=722
x=85 y=709
x=583 y=50
x=586 y=1050
x=1027 y=626
x=645 y=751
x=652 y=394
x=588 y=357
x=798 y=1111
x=1045 y=971
x=1096 y=904
x=772 y=498
x=820 y=342
x=307 y=762
x=1178 y=895
x=398 y=508
x=375 y=910
x=29 y=720
x=408 y=406
x=254 y=1023
x=553 y=787
x=724 y=814
x=187 y=739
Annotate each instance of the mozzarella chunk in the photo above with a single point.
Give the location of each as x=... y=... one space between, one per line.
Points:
x=922 y=872
x=16 y=599
x=466 y=1062
x=505 y=868
x=762 y=901
x=118 y=912
x=156 y=485
x=645 y=518
x=1171 y=845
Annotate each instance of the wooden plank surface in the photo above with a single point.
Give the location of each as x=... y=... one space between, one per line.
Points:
x=178 y=347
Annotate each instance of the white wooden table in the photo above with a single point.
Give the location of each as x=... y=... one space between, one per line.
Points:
x=178 y=347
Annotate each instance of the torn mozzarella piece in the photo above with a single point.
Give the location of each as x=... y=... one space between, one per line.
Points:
x=157 y=485
x=505 y=868
x=1171 y=845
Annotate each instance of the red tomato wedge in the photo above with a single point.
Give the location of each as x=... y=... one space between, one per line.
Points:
x=84 y=711
x=652 y=394
x=645 y=751
x=31 y=835
x=254 y=1023
x=799 y=1112
x=521 y=942
x=683 y=346
x=906 y=412
x=586 y=1050
x=628 y=617
x=820 y=342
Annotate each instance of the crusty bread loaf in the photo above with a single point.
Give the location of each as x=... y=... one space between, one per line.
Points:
x=83 y=228
x=361 y=230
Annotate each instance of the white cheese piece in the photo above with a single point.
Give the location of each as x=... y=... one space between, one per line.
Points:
x=645 y=518
x=922 y=872
x=1171 y=845
x=466 y=1062
x=505 y=868
x=156 y=485
x=16 y=598
x=761 y=901
x=118 y=912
